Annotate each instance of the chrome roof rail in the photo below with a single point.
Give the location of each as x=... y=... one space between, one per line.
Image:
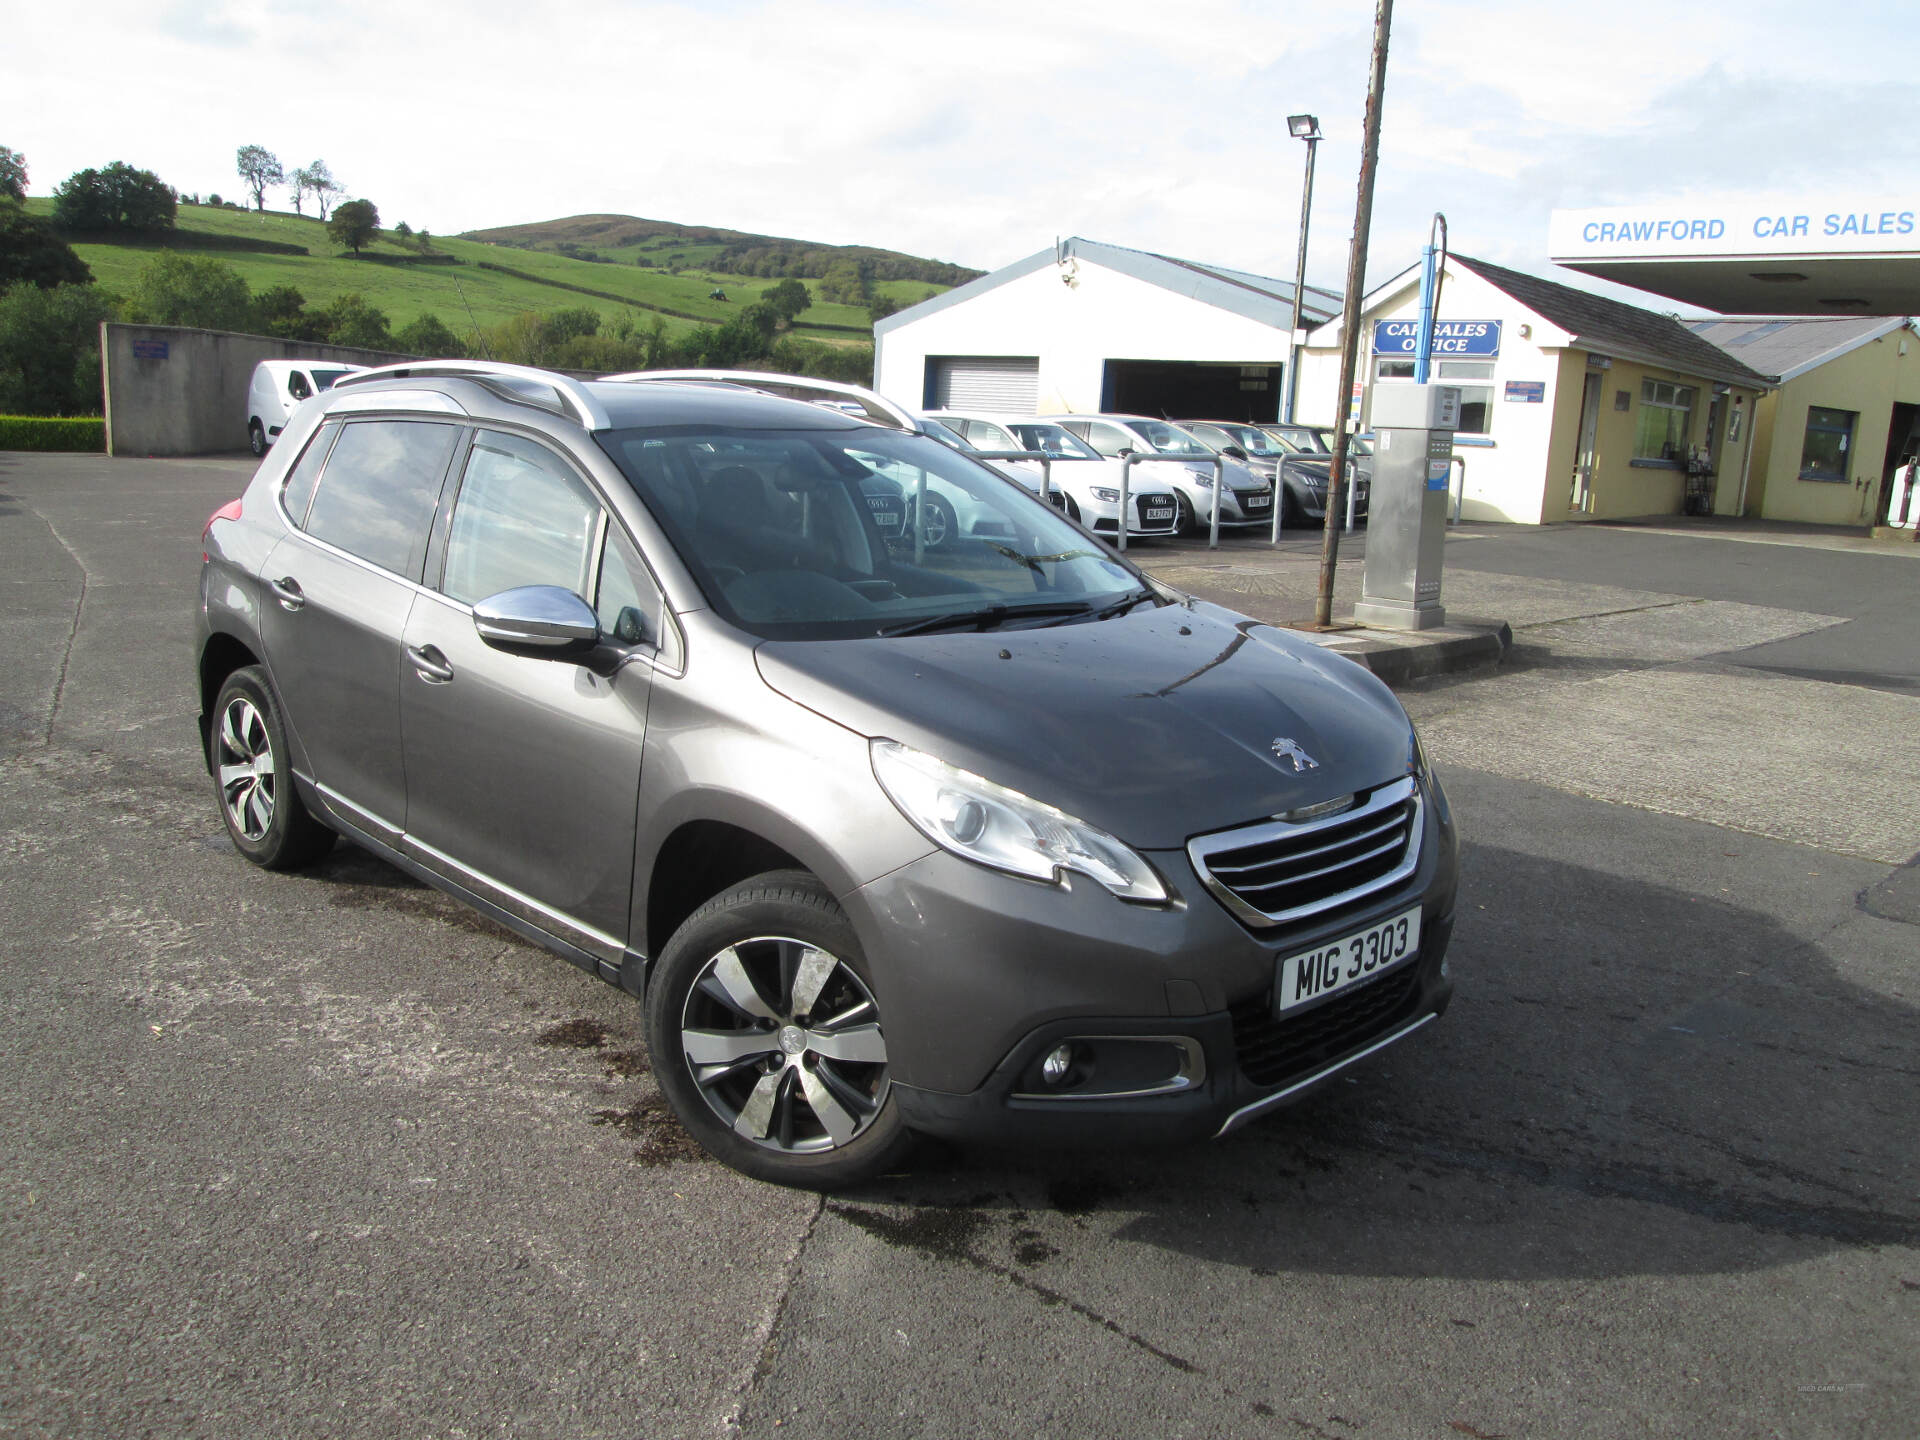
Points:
x=874 y=408
x=523 y=384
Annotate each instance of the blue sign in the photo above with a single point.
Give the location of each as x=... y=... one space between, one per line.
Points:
x=1438 y=472
x=1531 y=392
x=1450 y=337
x=150 y=349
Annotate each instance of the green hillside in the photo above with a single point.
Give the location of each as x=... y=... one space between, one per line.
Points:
x=467 y=283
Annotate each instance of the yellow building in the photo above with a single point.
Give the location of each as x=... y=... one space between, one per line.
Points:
x=1575 y=406
x=1845 y=416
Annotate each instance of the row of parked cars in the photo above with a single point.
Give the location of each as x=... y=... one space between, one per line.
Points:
x=1172 y=489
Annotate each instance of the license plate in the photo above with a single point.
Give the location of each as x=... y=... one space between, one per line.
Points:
x=887 y=519
x=1347 y=961
x=1157 y=513
x=1257 y=502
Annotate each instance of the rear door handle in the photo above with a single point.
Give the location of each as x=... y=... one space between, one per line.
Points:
x=288 y=592
x=429 y=664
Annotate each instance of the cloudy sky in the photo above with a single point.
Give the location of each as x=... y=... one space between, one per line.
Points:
x=977 y=132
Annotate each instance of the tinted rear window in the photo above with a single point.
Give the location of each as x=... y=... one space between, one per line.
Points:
x=377 y=495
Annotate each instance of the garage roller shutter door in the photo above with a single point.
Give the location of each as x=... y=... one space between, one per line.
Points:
x=1003 y=384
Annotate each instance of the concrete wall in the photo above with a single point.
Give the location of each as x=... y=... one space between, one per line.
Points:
x=1074 y=330
x=184 y=392
x=1867 y=380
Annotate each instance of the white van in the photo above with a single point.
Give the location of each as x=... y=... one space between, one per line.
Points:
x=277 y=387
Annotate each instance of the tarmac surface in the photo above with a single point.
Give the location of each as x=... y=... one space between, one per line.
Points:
x=329 y=1155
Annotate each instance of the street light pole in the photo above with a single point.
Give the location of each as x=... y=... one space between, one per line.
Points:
x=1307 y=128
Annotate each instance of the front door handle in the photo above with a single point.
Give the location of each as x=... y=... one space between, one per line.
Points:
x=288 y=592
x=429 y=664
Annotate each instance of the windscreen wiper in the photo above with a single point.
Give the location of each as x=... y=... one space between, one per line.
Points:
x=986 y=617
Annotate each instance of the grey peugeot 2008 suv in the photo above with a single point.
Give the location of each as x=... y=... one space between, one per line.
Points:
x=995 y=839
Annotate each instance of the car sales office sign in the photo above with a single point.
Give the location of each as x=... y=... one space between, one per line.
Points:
x=1450 y=337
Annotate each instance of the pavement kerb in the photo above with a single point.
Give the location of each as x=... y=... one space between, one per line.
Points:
x=1399 y=656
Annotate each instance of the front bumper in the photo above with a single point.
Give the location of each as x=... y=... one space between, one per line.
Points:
x=980 y=975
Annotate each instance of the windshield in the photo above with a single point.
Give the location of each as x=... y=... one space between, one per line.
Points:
x=834 y=534
x=1058 y=442
x=1254 y=440
x=1296 y=439
x=944 y=435
x=323 y=379
x=1354 y=442
x=1167 y=439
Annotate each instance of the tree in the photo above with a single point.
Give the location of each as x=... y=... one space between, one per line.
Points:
x=350 y=320
x=31 y=253
x=259 y=167
x=282 y=311
x=562 y=325
x=13 y=173
x=354 y=225
x=403 y=230
x=116 y=198
x=175 y=289
x=881 y=307
x=427 y=336
x=50 y=349
x=787 y=299
x=318 y=182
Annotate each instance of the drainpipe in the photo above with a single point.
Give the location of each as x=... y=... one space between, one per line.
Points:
x=1746 y=455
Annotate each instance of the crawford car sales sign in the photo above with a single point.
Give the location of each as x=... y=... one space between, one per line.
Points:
x=1450 y=337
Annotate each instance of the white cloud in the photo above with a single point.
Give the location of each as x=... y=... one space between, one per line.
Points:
x=977 y=132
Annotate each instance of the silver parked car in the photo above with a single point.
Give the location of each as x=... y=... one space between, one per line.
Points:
x=996 y=838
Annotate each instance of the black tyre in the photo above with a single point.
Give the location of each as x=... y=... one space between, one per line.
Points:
x=941 y=527
x=256 y=438
x=766 y=1038
x=251 y=775
x=1185 y=522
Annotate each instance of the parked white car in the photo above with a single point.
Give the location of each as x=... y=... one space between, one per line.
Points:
x=1088 y=482
x=278 y=387
x=1249 y=499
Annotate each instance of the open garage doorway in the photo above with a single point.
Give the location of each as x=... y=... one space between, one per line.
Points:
x=1192 y=390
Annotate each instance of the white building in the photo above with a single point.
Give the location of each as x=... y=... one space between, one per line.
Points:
x=1086 y=327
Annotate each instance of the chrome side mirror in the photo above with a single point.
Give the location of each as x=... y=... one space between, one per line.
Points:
x=544 y=619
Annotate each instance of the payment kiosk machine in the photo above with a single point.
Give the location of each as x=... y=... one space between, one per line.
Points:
x=1413 y=429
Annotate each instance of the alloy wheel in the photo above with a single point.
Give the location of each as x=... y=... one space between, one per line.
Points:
x=783 y=1040
x=247 y=770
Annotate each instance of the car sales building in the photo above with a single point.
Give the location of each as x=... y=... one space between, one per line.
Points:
x=1574 y=406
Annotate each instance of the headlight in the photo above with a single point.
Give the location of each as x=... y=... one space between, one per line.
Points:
x=1416 y=752
x=1106 y=496
x=994 y=826
x=1202 y=478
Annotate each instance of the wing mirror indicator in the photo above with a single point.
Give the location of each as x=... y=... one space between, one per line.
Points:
x=543 y=620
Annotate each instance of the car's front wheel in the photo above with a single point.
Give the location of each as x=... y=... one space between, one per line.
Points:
x=265 y=817
x=767 y=1039
x=256 y=438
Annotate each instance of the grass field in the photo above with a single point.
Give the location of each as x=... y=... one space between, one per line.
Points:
x=464 y=295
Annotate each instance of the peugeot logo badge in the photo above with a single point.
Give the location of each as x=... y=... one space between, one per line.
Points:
x=1287 y=751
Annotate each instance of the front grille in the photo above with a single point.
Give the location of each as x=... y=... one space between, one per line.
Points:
x=1273 y=1049
x=1163 y=503
x=1280 y=871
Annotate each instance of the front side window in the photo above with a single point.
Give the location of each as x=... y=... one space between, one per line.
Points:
x=522 y=518
x=381 y=484
x=298 y=387
x=1109 y=440
x=782 y=530
x=1168 y=439
x=1665 y=421
x=1823 y=455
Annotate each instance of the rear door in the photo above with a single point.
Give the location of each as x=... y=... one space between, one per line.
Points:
x=523 y=773
x=362 y=498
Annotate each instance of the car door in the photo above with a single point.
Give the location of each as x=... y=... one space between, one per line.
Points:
x=362 y=499
x=523 y=772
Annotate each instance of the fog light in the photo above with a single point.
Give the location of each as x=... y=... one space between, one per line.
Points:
x=1054 y=1068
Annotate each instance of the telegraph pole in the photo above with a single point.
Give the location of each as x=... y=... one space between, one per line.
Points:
x=1350 y=321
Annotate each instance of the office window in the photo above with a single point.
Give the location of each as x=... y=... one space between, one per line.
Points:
x=1666 y=420
x=1829 y=440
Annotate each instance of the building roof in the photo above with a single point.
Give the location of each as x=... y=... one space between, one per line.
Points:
x=1612 y=327
x=1789 y=346
x=1257 y=297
